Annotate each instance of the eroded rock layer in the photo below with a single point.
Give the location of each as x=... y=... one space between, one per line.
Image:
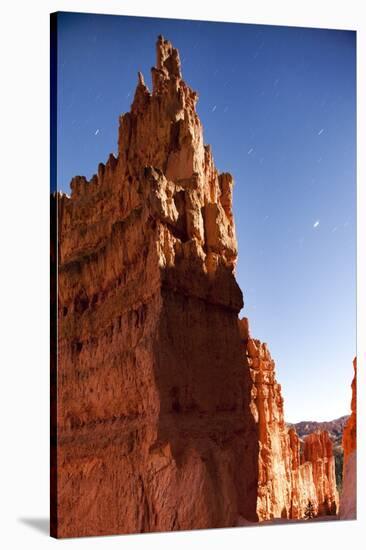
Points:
x=274 y=460
x=303 y=490
x=349 y=442
x=318 y=451
x=154 y=429
x=290 y=475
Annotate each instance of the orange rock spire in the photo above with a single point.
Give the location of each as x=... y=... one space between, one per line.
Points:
x=169 y=415
x=287 y=478
x=154 y=429
x=318 y=450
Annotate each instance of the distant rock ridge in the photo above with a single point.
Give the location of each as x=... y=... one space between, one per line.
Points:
x=333 y=427
x=290 y=473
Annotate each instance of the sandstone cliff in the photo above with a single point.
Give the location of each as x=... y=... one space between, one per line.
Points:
x=289 y=476
x=167 y=413
x=154 y=428
x=303 y=489
x=349 y=493
x=318 y=451
x=274 y=460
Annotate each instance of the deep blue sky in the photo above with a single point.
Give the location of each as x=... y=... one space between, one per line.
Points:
x=278 y=108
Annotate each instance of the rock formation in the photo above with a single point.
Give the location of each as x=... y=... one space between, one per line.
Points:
x=166 y=413
x=274 y=460
x=333 y=427
x=318 y=451
x=349 y=493
x=303 y=488
x=289 y=476
x=154 y=430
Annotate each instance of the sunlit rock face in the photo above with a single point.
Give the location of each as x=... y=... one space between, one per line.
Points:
x=290 y=474
x=274 y=459
x=154 y=424
x=318 y=450
x=303 y=489
x=349 y=493
x=169 y=415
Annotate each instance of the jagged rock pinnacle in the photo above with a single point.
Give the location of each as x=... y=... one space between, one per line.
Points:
x=152 y=395
x=167 y=58
x=296 y=483
x=141 y=80
x=164 y=420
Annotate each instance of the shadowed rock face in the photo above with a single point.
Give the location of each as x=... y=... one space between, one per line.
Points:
x=154 y=428
x=349 y=493
x=288 y=476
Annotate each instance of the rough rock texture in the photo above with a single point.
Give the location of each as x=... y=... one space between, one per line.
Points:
x=318 y=450
x=288 y=476
x=274 y=460
x=349 y=433
x=303 y=489
x=154 y=429
x=349 y=494
x=333 y=427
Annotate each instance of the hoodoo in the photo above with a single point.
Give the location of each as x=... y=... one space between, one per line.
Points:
x=318 y=451
x=290 y=474
x=154 y=429
x=167 y=414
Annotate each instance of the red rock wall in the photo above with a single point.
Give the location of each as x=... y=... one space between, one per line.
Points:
x=163 y=422
x=274 y=460
x=154 y=429
x=349 y=492
x=303 y=489
x=318 y=450
x=349 y=440
x=287 y=477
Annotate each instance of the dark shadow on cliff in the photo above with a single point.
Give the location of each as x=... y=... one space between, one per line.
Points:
x=204 y=385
